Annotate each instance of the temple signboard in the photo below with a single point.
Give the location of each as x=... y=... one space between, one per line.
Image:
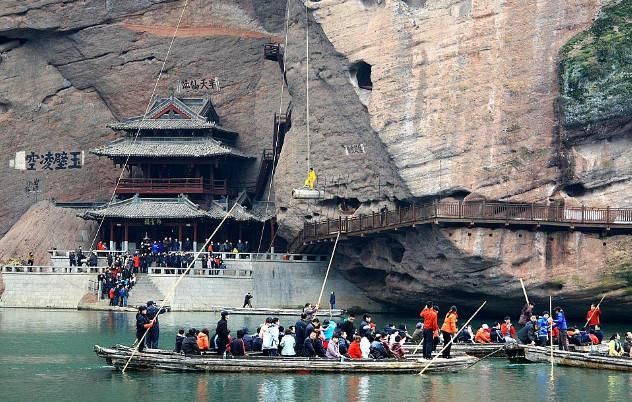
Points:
x=47 y=160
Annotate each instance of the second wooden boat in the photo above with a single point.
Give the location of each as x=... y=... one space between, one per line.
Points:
x=538 y=354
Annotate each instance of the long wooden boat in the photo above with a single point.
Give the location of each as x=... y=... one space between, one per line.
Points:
x=273 y=311
x=539 y=354
x=493 y=350
x=117 y=356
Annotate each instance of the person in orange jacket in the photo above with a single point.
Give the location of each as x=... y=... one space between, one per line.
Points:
x=448 y=330
x=482 y=335
x=430 y=325
x=203 y=340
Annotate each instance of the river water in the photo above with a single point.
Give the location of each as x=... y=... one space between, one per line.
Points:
x=47 y=356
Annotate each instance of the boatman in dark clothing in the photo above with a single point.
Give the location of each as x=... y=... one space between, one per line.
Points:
x=142 y=324
x=222 y=331
x=526 y=313
x=299 y=329
x=247 y=300
x=430 y=325
x=154 y=333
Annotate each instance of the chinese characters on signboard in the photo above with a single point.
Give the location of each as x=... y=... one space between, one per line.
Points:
x=47 y=160
x=199 y=84
x=53 y=160
x=354 y=149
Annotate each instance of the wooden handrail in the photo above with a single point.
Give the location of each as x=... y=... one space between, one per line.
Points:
x=469 y=212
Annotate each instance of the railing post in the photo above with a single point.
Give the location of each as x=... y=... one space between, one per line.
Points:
x=340 y=224
x=328 y=230
x=373 y=213
x=400 y=214
x=360 y=217
x=608 y=214
x=531 y=216
x=346 y=224
x=435 y=210
x=413 y=214
x=460 y=209
x=583 y=209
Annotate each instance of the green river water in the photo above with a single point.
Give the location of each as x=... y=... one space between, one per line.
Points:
x=47 y=356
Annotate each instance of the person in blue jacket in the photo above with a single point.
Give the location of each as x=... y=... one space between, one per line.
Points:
x=544 y=329
x=560 y=323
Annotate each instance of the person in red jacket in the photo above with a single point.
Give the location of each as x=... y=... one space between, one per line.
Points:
x=430 y=326
x=508 y=330
x=593 y=316
x=354 y=349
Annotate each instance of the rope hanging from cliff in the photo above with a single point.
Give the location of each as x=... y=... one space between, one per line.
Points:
x=307 y=83
x=172 y=291
x=153 y=93
x=274 y=151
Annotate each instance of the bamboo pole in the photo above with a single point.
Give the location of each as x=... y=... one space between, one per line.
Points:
x=524 y=291
x=452 y=339
x=172 y=291
x=322 y=289
x=551 y=329
x=593 y=313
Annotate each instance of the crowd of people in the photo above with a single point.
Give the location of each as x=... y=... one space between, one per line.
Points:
x=308 y=337
x=116 y=284
x=344 y=339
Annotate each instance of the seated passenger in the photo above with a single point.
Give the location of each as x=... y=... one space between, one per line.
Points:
x=179 y=338
x=189 y=344
x=496 y=334
x=627 y=344
x=288 y=344
x=309 y=346
x=482 y=335
x=614 y=346
x=203 y=340
x=343 y=343
x=377 y=349
x=333 y=348
x=466 y=336
x=354 y=349
x=238 y=346
x=529 y=333
x=397 y=349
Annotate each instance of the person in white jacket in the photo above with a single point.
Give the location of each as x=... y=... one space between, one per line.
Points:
x=288 y=344
x=365 y=347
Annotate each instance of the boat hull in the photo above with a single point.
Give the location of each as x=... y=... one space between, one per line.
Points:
x=118 y=356
x=538 y=354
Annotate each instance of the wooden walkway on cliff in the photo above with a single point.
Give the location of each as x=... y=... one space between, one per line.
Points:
x=539 y=217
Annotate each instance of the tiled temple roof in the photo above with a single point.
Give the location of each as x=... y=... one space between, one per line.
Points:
x=173 y=147
x=144 y=208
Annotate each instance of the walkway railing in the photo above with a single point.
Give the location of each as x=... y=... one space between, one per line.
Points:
x=259 y=257
x=467 y=213
x=42 y=269
x=203 y=272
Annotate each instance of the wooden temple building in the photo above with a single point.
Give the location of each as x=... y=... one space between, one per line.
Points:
x=184 y=170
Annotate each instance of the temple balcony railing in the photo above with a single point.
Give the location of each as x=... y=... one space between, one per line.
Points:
x=196 y=185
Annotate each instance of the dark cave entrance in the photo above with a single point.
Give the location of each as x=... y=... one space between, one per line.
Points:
x=362 y=72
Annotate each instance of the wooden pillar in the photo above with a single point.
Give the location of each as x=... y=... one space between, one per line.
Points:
x=195 y=236
x=241 y=230
x=125 y=237
x=180 y=233
x=112 y=242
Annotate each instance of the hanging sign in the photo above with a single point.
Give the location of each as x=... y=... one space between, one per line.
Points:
x=48 y=160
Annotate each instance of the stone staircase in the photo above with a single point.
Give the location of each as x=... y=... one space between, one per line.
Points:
x=143 y=291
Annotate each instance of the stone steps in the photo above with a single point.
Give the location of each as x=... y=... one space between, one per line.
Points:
x=143 y=291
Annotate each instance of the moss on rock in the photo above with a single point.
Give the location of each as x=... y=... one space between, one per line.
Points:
x=596 y=70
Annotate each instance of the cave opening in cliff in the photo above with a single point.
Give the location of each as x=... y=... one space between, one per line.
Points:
x=575 y=189
x=361 y=73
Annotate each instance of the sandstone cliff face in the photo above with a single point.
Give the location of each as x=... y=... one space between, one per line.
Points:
x=69 y=68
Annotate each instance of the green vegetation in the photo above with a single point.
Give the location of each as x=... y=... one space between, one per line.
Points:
x=595 y=70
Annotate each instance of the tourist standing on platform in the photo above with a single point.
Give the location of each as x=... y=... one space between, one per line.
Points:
x=560 y=323
x=247 y=300
x=142 y=324
x=430 y=325
x=221 y=332
x=154 y=334
x=332 y=302
x=448 y=330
